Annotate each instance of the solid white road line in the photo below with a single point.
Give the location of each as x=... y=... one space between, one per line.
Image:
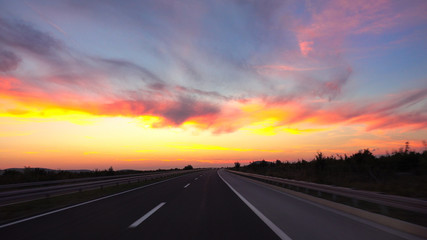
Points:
x=187 y=185
x=267 y=221
x=143 y=218
x=81 y=204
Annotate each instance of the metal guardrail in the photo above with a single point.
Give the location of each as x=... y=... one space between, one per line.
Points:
x=29 y=194
x=3 y=187
x=406 y=203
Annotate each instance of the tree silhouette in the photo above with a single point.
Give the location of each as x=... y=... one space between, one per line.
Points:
x=236 y=165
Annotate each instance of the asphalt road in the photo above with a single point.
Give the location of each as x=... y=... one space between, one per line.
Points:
x=199 y=205
x=302 y=219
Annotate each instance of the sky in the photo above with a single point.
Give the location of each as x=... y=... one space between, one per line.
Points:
x=164 y=83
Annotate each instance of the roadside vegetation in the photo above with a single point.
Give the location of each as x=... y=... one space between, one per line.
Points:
x=403 y=172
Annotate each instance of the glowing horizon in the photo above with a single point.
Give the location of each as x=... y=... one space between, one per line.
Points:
x=162 y=85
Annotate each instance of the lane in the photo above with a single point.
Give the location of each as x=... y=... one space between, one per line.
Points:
x=282 y=235
x=207 y=209
x=105 y=219
x=301 y=219
x=194 y=206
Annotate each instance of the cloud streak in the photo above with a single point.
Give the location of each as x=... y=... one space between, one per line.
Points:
x=22 y=36
x=8 y=61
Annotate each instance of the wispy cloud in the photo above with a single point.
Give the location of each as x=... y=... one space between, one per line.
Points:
x=22 y=36
x=290 y=68
x=8 y=61
x=45 y=18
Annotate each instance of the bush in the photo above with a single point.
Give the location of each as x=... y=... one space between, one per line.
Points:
x=188 y=167
x=236 y=165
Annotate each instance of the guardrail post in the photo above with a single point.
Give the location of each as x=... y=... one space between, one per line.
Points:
x=319 y=193
x=334 y=197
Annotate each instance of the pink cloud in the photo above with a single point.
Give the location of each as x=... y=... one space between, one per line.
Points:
x=290 y=68
x=332 y=22
x=306 y=47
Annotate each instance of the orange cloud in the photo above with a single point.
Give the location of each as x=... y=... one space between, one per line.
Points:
x=261 y=115
x=196 y=147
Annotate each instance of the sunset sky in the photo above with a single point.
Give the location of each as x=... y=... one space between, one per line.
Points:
x=163 y=83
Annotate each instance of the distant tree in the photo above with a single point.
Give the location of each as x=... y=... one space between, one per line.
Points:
x=263 y=163
x=110 y=171
x=188 y=167
x=320 y=161
x=236 y=165
x=407 y=147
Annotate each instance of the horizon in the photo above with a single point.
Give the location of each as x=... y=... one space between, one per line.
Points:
x=160 y=85
x=244 y=163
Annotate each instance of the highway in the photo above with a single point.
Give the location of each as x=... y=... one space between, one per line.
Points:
x=208 y=204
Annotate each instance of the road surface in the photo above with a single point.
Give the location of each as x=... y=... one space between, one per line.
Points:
x=202 y=205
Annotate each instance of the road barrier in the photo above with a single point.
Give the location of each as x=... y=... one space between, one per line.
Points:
x=382 y=200
x=64 y=187
x=5 y=187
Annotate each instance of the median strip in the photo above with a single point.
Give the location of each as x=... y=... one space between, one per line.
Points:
x=147 y=215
